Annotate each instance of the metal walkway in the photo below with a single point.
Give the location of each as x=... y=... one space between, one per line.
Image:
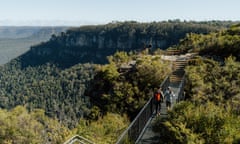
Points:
x=140 y=130
x=148 y=136
x=177 y=80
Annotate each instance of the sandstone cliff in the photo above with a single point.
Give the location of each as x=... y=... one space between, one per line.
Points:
x=94 y=43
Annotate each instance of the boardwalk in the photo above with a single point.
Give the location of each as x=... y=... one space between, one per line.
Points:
x=140 y=129
x=148 y=136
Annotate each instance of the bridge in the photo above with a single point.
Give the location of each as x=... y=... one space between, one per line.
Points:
x=140 y=129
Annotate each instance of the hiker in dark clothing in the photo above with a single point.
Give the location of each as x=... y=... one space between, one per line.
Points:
x=169 y=98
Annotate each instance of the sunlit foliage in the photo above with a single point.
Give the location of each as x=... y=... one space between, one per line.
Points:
x=20 y=126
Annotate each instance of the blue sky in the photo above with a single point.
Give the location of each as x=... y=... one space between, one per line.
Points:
x=104 y=11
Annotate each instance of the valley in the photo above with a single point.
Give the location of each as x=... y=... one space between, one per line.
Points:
x=14 y=41
x=81 y=81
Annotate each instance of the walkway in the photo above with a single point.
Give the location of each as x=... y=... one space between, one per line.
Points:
x=149 y=137
x=179 y=61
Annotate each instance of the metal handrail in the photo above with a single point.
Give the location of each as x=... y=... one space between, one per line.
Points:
x=133 y=131
x=79 y=139
x=181 y=90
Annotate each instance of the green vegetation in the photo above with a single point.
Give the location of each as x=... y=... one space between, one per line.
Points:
x=220 y=44
x=206 y=80
x=104 y=131
x=85 y=91
x=59 y=92
x=46 y=95
x=124 y=88
x=204 y=123
x=210 y=113
x=20 y=126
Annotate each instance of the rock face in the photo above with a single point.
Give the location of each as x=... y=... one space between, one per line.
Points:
x=104 y=42
x=70 y=49
x=92 y=47
x=94 y=43
x=119 y=42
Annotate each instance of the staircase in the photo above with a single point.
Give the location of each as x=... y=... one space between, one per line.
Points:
x=178 y=71
x=172 y=51
x=178 y=65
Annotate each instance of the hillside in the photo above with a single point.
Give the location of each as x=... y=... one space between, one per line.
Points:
x=210 y=112
x=93 y=43
x=56 y=89
x=219 y=45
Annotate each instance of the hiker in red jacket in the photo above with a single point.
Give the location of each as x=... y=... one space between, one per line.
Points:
x=158 y=98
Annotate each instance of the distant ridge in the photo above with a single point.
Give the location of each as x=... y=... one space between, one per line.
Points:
x=46 y=23
x=16 y=40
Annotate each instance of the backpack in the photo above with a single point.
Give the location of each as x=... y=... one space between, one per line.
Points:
x=157 y=96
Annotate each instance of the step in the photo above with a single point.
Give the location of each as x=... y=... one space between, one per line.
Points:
x=178 y=73
x=172 y=52
x=175 y=80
